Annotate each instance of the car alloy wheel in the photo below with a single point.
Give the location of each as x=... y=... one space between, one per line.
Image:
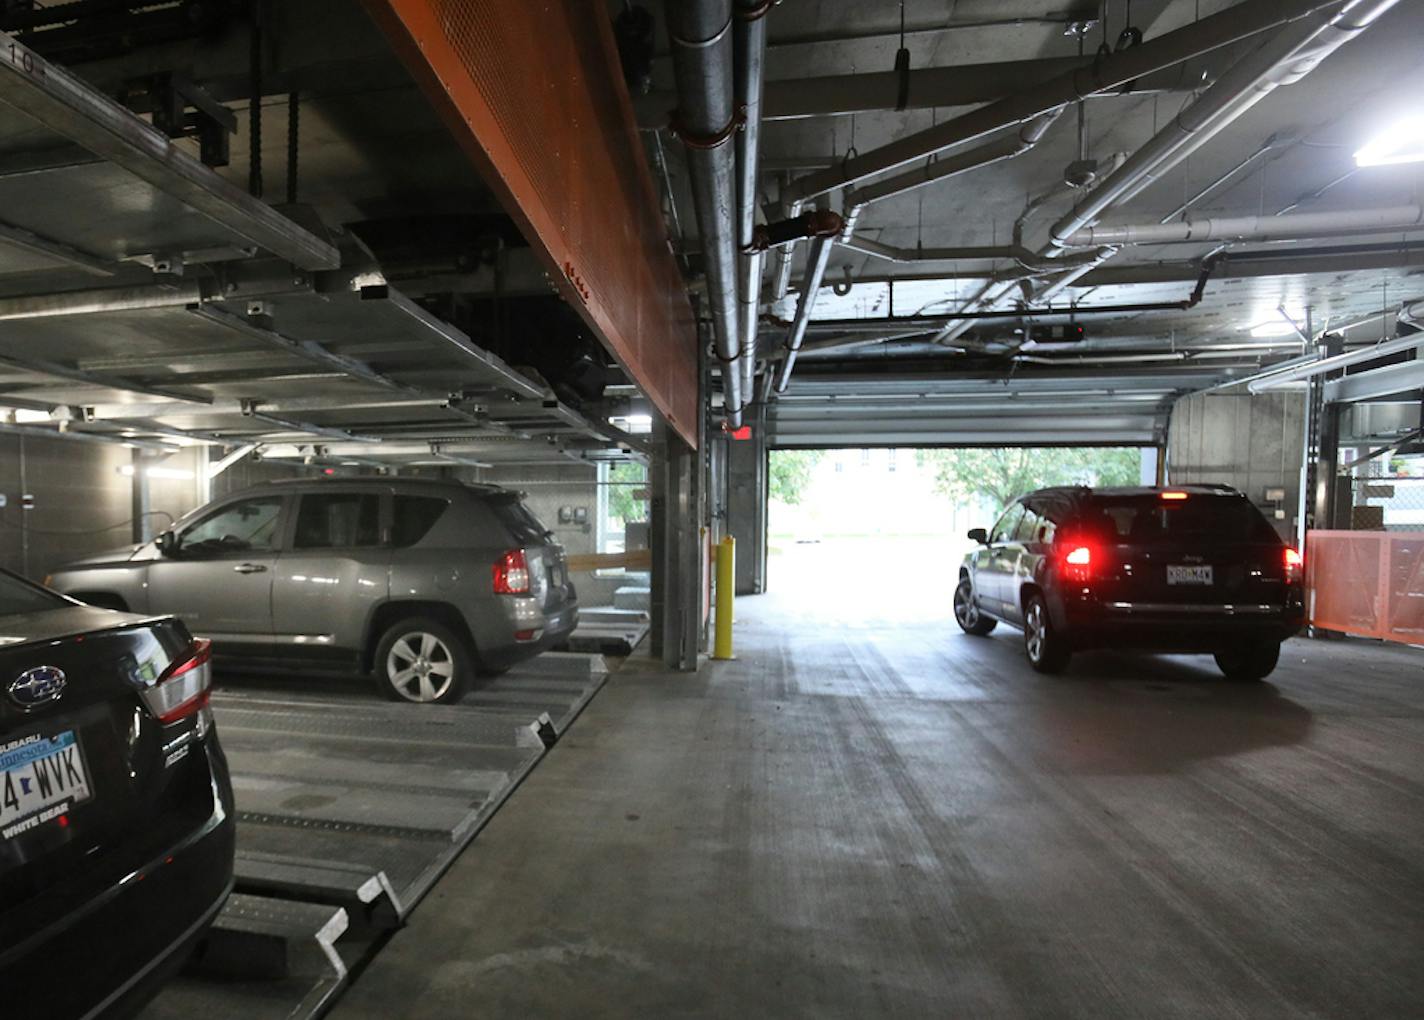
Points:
x=1046 y=649
x=1035 y=631
x=966 y=612
x=420 y=667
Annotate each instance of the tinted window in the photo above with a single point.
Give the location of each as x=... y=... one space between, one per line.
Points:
x=522 y=524
x=415 y=515
x=1004 y=529
x=1027 y=530
x=18 y=597
x=1197 y=518
x=238 y=527
x=338 y=520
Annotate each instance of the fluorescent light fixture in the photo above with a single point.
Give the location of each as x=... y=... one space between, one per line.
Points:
x=127 y=470
x=28 y=416
x=1403 y=142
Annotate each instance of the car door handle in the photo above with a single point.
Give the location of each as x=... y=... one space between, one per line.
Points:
x=249 y=568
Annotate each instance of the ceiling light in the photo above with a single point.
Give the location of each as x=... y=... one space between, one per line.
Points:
x=1403 y=142
x=27 y=416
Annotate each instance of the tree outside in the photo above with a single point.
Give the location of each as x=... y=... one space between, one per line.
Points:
x=789 y=473
x=1000 y=475
x=623 y=504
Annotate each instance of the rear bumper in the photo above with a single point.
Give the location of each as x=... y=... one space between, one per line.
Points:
x=1178 y=628
x=530 y=634
x=113 y=957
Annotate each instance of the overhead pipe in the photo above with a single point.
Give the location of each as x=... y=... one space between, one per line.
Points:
x=106 y=299
x=1113 y=71
x=1319 y=366
x=925 y=88
x=749 y=50
x=700 y=33
x=1284 y=57
x=983 y=155
x=816 y=261
x=1297 y=227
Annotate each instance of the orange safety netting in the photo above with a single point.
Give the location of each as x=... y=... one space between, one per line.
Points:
x=1369 y=583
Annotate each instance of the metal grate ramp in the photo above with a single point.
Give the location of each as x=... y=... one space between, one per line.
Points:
x=350 y=806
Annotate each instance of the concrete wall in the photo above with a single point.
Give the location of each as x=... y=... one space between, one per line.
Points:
x=1254 y=443
x=83 y=504
x=550 y=487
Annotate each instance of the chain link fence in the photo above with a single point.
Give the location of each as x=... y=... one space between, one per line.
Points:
x=1384 y=503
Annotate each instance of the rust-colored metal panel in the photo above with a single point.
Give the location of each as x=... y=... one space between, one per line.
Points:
x=533 y=92
x=1369 y=583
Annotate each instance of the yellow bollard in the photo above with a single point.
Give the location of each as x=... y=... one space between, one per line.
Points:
x=726 y=589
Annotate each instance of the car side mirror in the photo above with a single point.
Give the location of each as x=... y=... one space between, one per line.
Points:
x=167 y=543
x=979 y=535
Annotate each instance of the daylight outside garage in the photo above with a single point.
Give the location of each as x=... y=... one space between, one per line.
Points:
x=711 y=508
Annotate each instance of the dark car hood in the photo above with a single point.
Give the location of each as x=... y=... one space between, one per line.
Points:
x=122 y=554
x=62 y=621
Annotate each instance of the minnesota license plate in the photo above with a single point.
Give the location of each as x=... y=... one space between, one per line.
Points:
x=41 y=778
x=1189 y=575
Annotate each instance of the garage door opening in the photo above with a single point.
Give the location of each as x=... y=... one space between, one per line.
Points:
x=884 y=529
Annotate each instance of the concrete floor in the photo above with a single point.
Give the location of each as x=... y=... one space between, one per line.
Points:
x=884 y=817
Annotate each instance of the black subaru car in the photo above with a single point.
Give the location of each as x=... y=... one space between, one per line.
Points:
x=116 y=821
x=1193 y=568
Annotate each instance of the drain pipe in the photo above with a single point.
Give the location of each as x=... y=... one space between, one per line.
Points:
x=817 y=258
x=749 y=47
x=700 y=33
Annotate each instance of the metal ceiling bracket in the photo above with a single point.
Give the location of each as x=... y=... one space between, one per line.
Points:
x=68 y=107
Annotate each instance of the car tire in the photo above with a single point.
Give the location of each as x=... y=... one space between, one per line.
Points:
x=1047 y=650
x=1249 y=663
x=422 y=661
x=967 y=614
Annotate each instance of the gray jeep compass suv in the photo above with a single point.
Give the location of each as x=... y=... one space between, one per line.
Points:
x=421 y=583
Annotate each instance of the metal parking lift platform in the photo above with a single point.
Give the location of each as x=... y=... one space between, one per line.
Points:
x=349 y=809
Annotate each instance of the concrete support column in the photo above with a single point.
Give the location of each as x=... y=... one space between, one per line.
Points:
x=746 y=504
x=676 y=600
x=140 y=503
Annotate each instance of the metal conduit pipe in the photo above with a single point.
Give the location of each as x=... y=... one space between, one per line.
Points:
x=819 y=255
x=107 y=299
x=1285 y=57
x=1318 y=366
x=749 y=50
x=700 y=33
x=781 y=259
x=1113 y=71
x=1296 y=227
x=983 y=155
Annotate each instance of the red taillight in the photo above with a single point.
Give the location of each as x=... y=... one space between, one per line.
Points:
x=511 y=574
x=185 y=685
x=1078 y=563
x=1295 y=564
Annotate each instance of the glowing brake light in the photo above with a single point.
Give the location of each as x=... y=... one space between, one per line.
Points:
x=1078 y=564
x=511 y=574
x=1295 y=564
x=1174 y=495
x=185 y=686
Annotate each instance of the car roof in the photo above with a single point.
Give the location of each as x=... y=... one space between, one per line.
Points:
x=429 y=486
x=1129 y=491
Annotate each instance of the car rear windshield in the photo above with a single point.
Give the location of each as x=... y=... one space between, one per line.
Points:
x=521 y=522
x=17 y=596
x=1198 y=518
